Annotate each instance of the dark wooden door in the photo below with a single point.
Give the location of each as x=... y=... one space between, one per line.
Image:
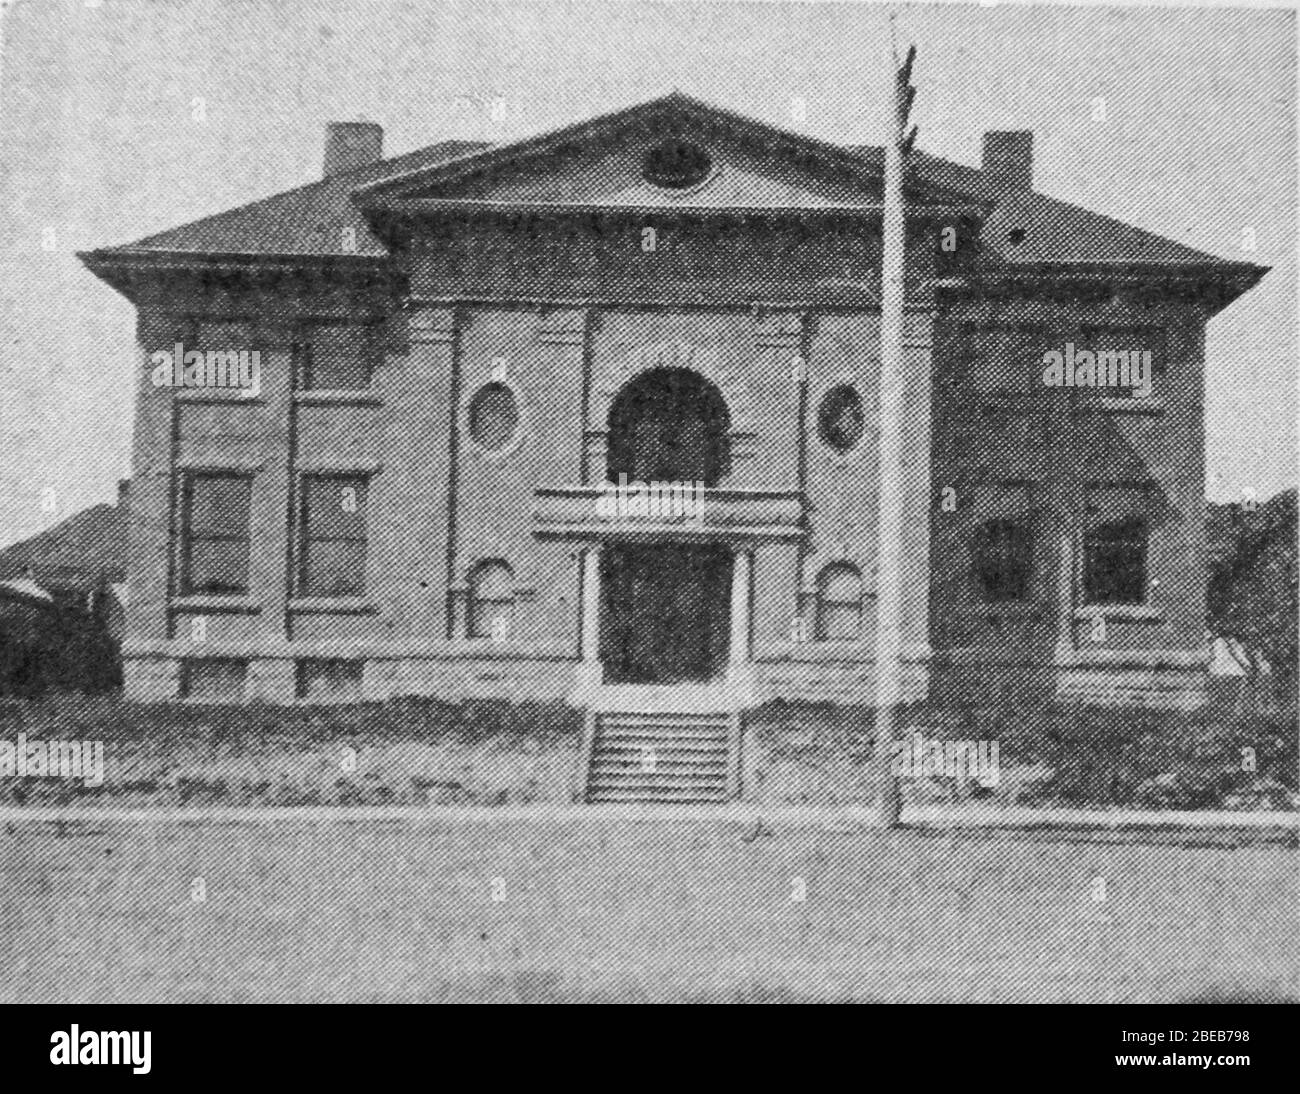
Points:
x=666 y=613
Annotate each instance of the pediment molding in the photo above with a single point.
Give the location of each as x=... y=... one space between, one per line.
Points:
x=599 y=163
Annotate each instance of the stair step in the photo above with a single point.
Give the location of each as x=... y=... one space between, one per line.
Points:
x=636 y=744
x=661 y=763
x=691 y=757
x=668 y=715
x=658 y=777
x=658 y=729
x=626 y=772
x=672 y=731
x=645 y=733
x=665 y=796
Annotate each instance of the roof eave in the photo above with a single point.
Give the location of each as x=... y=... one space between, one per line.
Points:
x=1232 y=279
x=126 y=268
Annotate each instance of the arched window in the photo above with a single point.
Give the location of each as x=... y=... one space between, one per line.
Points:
x=491 y=600
x=493 y=416
x=839 y=603
x=1004 y=559
x=669 y=425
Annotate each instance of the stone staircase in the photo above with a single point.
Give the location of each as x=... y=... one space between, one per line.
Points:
x=642 y=754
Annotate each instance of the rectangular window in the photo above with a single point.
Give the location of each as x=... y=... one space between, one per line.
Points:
x=492 y=601
x=227 y=346
x=1004 y=559
x=337 y=356
x=839 y=603
x=1115 y=544
x=1006 y=360
x=1002 y=543
x=1127 y=362
x=215 y=536
x=332 y=550
x=214 y=679
x=329 y=680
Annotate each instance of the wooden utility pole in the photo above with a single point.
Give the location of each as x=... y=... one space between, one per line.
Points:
x=889 y=558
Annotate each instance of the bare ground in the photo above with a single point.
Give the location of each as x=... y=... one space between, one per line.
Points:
x=641 y=911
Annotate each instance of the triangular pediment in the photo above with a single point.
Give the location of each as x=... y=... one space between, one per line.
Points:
x=674 y=152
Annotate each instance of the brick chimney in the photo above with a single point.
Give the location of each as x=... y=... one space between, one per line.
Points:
x=1009 y=159
x=349 y=145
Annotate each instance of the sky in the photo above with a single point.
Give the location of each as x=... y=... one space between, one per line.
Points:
x=120 y=118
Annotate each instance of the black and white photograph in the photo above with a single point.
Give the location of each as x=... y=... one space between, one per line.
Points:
x=663 y=501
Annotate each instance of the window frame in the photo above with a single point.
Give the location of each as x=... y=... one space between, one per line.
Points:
x=822 y=602
x=304 y=342
x=304 y=538
x=196 y=666
x=473 y=601
x=516 y=434
x=185 y=586
x=1154 y=337
x=1024 y=592
x=1090 y=535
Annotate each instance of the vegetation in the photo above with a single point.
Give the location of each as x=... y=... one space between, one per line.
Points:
x=1252 y=587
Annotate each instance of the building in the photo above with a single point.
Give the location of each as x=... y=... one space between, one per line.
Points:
x=62 y=596
x=460 y=346
x=79 y=564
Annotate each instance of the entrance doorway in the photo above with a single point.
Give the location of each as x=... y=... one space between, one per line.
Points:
x=666 y=614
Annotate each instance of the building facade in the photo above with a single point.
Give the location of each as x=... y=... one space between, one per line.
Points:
x=592 y=416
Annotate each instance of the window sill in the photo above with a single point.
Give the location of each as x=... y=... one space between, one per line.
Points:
x=332 y=605
x=1011 y=609
x=1000 y=402
x=341 y=397
x=219 y=395
x=339 y=466
x=815 y=649
x=1121 y=405
x=212 y=602
x=1132 y=613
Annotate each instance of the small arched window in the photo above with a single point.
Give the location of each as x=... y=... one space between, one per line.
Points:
x=493 y=416
x=839 y=603
x=491 y=600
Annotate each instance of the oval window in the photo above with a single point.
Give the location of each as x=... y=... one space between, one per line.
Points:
x=493 y=416
x=840 y=419
x=675 y=165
